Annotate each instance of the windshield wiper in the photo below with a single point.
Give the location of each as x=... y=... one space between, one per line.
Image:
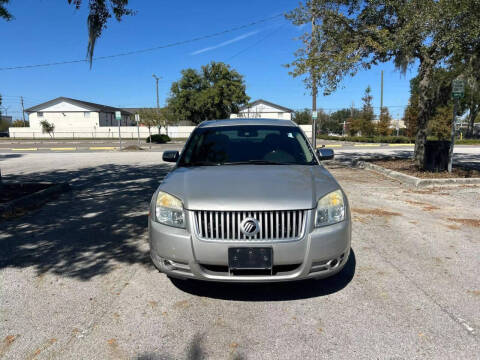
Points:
x=201 y=163
x=255 y=162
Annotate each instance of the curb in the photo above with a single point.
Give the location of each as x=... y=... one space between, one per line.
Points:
x=32 y=201
x=414 y=181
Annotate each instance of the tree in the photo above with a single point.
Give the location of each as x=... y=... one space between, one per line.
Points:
x=47 y=127
x=100 y=12
x=472 y=100
x=19 y=123
x=366 y=116
x=4 y=13
x=352 y=35
x=150 y=117
x=215 y=92
x=383 y=125
x=302 y=117
x=440 y=126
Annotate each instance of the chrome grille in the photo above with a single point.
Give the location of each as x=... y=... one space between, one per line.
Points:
x=274 y=225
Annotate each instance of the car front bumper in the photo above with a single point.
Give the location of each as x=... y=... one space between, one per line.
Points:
x=322 y=252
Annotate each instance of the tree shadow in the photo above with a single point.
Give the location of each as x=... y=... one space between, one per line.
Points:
x=195 y=351
x=9 y=156
x=84 y=233
x=282 y=291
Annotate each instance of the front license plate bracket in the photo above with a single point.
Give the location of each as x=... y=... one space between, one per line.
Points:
x=250 y=259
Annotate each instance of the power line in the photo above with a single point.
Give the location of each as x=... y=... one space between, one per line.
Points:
x=134 y=52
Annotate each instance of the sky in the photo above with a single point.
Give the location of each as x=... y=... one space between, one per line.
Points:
x=53 y=31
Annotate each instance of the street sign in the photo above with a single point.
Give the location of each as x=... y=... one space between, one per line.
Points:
x=458 y=88
x=118 y=115
x=314 y=114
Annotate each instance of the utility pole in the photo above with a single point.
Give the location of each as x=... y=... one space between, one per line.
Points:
x=158 y=102
x=314 y=86
x=381 y=93
x=23 y=110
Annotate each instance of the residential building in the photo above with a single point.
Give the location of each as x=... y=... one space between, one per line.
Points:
x=68 y=114
x=263 y=109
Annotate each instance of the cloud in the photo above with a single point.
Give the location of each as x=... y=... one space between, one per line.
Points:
x=225 y=43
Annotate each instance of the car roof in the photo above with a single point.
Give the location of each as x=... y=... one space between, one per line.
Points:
x=239 y=122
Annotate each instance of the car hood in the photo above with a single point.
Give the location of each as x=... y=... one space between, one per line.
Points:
x=249 y=187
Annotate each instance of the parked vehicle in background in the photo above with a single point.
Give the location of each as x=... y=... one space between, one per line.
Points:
x=249 y=201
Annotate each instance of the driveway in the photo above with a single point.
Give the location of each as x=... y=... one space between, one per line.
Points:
x=76 y=281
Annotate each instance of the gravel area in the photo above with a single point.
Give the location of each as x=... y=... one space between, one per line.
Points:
x=76 y=281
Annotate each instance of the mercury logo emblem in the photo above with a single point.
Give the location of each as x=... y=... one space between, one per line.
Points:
x=250 y=227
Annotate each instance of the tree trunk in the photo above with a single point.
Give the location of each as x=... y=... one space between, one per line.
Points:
x=474 y=110
x=425 y=110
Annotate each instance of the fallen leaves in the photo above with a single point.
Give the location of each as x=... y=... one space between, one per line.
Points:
x=6 y=343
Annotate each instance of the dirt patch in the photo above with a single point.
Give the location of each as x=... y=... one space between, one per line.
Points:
x=133 y=148
x=453 y=227
x=376 y=212
x=6 y=343
x=467 y=222
x=407 y=166
x=425 y=206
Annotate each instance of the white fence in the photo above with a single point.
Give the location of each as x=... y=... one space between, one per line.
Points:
x=126 y=132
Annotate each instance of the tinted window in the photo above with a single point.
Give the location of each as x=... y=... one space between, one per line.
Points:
x=232 y=145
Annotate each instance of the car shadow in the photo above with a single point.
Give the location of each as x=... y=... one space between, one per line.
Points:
x=283 y=291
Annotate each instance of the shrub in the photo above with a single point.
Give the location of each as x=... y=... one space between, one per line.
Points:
x=158 y=139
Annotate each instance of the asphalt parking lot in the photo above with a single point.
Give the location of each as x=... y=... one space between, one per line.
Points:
x=76 y=280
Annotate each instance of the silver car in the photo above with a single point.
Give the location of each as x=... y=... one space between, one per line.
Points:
x=249 y=201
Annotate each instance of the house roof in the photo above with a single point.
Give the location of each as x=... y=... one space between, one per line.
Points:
x=89 y=105
x=261 y=101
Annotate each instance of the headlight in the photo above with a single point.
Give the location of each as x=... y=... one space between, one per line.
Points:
x=169 y=210
x=330 y=209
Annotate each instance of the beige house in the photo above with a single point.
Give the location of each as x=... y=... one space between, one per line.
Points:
x=76 y=115
x=263 y=109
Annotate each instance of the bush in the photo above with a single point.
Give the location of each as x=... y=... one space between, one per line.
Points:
x=374 y=139
x=158 y=139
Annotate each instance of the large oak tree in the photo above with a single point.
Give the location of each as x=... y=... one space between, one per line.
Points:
x=214 y=92
x=351 y=35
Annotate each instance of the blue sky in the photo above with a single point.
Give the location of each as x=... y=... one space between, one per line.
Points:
x=43 y=33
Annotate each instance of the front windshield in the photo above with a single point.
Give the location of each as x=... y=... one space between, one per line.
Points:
x=247 y=144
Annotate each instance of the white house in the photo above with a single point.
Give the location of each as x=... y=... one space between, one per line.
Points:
x=74 y=118
x=263 y=109
x=70 y=114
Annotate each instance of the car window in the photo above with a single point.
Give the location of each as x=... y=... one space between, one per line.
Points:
x=230 y=145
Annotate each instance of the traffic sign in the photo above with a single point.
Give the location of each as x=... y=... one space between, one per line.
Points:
x=137 y=118
x=458 y=88
x=314 y=114
x=118 y=115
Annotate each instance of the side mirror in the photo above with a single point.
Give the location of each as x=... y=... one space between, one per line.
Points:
x=325 y=154
x=170 y=156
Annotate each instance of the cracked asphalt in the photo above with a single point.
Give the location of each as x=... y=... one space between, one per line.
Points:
x=76 y=281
